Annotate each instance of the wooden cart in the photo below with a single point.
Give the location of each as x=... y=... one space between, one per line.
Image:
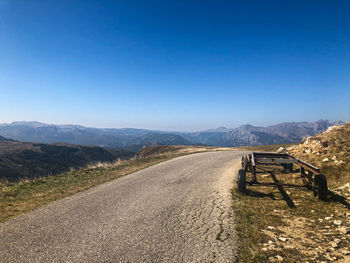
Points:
x=256 y=163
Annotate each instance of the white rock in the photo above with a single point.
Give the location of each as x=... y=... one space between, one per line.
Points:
x=279 y=258
x=283 y=239
x=343 y=230
x=337 y=240
x=288 y=247
x=333 y=244
x=272 y=259
x=331 y=128
x=325 y=160
x=271 y=227
x=337 y=222
x=338 y=162
x=281 y=150
x=307 y=140
x=344 y=186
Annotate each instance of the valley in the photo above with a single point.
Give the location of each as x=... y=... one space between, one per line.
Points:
x=24 y=160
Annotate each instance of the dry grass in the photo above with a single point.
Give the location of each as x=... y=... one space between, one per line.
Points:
x=268 y=226
x=271 y=231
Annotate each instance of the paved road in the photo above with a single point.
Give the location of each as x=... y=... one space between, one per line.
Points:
x=176 y=211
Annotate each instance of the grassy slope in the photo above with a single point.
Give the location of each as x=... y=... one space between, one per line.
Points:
x=22 y=160
x=269 y=230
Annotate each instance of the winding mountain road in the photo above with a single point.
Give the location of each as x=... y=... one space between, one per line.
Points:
x=176 y=211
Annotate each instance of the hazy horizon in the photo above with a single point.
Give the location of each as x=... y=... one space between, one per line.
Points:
x=174 y=65
x=155 y=129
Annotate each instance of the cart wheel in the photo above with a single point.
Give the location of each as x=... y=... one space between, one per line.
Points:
x=241 y=180
x=321 y=183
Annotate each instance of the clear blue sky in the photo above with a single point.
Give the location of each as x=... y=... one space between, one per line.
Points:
x=174 y=65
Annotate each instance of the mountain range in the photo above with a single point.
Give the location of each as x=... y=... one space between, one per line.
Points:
x=136 y=139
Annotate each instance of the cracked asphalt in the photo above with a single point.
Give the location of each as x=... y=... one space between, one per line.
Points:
x=176 y=211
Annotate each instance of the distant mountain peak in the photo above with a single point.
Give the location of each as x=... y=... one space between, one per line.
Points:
x=33 y=124
x=247 y=127
x=219 y=129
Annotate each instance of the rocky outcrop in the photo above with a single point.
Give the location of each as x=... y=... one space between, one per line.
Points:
x=331 y=147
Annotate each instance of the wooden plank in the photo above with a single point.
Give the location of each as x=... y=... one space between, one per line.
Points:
x=271 y=155
x=253 y=159
x=306 y=165
x=275 y=160
x=253 y=169
x=251 y=183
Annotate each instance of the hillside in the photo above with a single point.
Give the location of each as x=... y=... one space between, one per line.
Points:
x=330 y=151
x=135 y=139
x=20 y=160
x=248 y=135
x=150 y=139
x=2 y=139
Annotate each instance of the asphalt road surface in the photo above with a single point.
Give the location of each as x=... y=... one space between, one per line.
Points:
x=176 y=211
